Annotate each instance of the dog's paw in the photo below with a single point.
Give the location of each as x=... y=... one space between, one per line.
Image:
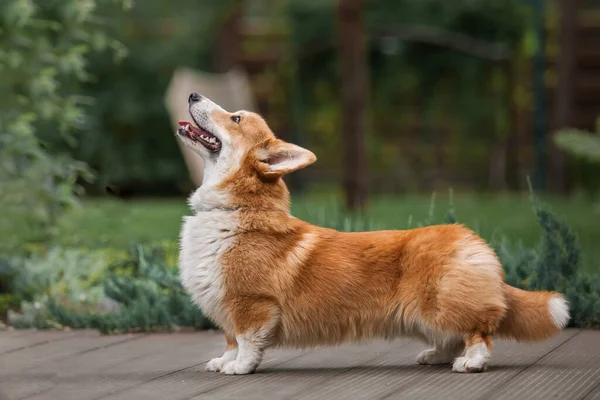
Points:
x=215 y=365
x=469 y=364
x=237 y=368
x=432 y=357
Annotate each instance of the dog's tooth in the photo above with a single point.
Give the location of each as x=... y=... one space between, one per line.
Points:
x=212 y=140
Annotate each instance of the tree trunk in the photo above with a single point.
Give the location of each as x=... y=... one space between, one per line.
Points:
x=563 y=95
x=226 y=50
x=539 y=91
x=512 y=141
x=353 y=63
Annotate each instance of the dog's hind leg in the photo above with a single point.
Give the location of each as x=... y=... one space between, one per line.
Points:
x=444 y=352
x=477 y=354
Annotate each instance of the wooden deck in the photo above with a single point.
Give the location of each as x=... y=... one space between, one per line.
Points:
x=85 y=365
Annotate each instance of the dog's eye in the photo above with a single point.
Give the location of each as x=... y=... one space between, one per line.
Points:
x=236 y=119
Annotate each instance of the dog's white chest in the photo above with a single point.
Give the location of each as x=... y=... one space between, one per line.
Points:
x=205 y=237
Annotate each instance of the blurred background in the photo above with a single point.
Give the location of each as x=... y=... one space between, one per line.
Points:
x=406 y=103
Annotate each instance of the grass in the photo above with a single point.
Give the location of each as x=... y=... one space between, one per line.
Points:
x=112 y=222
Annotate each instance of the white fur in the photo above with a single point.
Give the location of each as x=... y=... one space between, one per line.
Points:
x=205 y=237
x=211 y=232
x=251 y=347
x=479 y=256
x=434 y=357
x=559 y=311
x=249 y=355
x=475 y=359
x=442 y=354
x=216 y=364
x=302 y=250
x=216 y=168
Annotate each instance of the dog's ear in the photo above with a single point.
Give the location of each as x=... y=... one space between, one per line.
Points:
x=278 y=158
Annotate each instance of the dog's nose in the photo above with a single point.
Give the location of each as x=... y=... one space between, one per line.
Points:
x=194 y=97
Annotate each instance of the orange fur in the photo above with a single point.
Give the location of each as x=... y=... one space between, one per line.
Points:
x=231 y=342
x=289 y=283
x=528 y=318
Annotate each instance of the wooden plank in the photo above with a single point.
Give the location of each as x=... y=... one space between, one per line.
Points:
x=189 y=382
x=112 y=370
x=171 y=366
x=53 y=351
x=293 y=378
x=20 y=340
x=94 y=371
x=594 y=394
x=398 y=376
x=14 y=366
x=11 y=332
x=569 y=372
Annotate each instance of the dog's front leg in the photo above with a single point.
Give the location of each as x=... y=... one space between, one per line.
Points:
x=231 y=351
x=256 y=322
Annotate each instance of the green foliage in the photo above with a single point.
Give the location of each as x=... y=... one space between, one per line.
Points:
x=131 y=144
x=115 y=291
x=10 y=297
x=555 y=264
x=416 y=86
x=104 y=290
x=44 y=45
x=69 y=275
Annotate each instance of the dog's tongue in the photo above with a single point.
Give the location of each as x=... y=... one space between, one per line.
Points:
x=192 y=127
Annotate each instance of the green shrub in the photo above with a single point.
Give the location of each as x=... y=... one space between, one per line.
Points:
x=40 y=276
x=555 y=264
x=44 y=51
x=139 y=291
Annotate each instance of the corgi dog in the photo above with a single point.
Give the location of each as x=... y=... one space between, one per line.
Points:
x=269 y=280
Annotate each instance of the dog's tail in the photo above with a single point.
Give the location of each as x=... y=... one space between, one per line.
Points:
x=533 y=316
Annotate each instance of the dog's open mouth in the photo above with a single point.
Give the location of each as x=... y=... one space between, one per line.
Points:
x=199 y=135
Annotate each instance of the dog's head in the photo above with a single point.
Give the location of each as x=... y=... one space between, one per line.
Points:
x=240 y=151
